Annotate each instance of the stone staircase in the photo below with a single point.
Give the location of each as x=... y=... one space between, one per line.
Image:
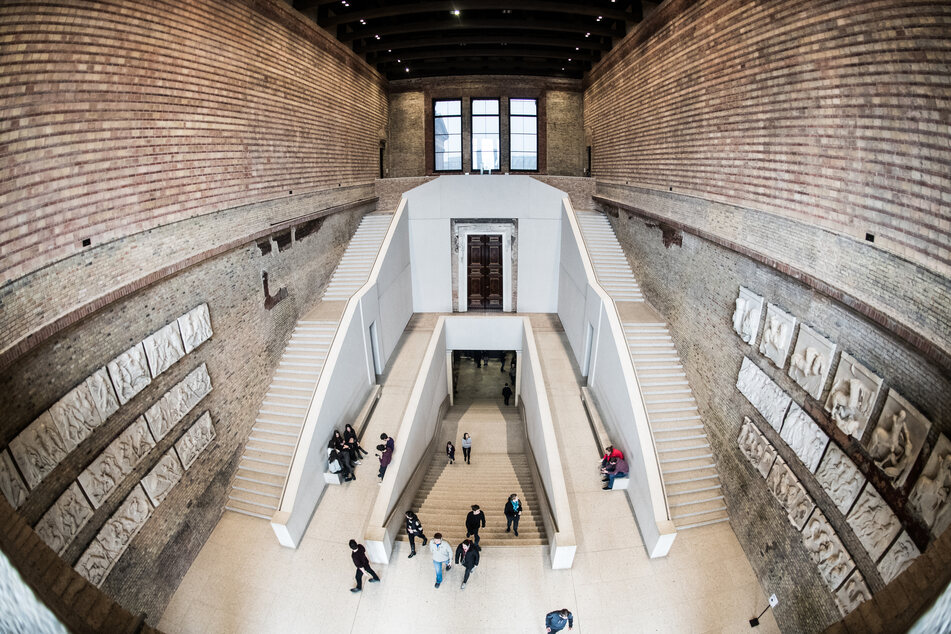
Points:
x=687 y=464
x=263 y=469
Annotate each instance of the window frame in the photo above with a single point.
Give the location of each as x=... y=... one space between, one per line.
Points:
x=461 y=133
x=472 y=145
x=525 y=116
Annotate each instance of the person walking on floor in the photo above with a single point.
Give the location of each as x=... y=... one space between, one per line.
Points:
x=506 y=393
x=442 y=554
x=414 y=529
x=467 y=554
x=451 y=452
x=557 y=620
x=513 y=511
x=358 y=553
x=466 y=447
x=385 y=455
x=474 y=521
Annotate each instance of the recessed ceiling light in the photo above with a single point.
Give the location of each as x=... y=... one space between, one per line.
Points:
x=389 y=50
x=569 y=59
x=377 y=36
x=362 y=21
x=455 y=11
x=399 y=61
x=587 y=35
x=577 y=48
x=599 y=19
x=407 y=69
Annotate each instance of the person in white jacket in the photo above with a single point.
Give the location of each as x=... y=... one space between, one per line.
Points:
x=442 y=554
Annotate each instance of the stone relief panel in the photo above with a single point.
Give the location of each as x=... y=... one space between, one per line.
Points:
x=116 y=461
x=767 y=397
x=163 y=349
x=841 y=479
x=804 y=437
x=811 y=361
x=930 y=496
x=825 y=548
x=11 y=484
x=194 y=441
x=853 y=593
x=75 y=416
x=178 y=401
x=898 y=557
x=125 y=523
x=853 y=395
x=38 y=449
x=898 y=438
x=777 y=335
x=746 y=314
x=874 y=522
x=790 y=493
x=160 y=480
x=195 y=326
x=102 y=393
x=95 y=564
x=63 y=521
x=755 y=447
x=129 y=372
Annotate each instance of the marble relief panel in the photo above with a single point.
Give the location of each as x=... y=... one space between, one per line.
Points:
x=853 y=593
x=125 y=523
x=194 y=441
x=116 y=461
x=755 y=447
x=767 y=397
x=103 y=393
x=854 y=392
x=75 y=416
x=160 y=480
x=13 y=487
x=874 y=522
x=195 y=326
x=898 y=557
x=790 y=493
x=804 y=437
x=777 y=335
x=95 y=563
x=746 y=315
x=177 y=402
x=932 y=492
x=129 y=372
x=826 y=550
x=841 y=479
x=63 y=521
x=898 y=438
x=163 y=349
x=811 y=361
x=38 y=449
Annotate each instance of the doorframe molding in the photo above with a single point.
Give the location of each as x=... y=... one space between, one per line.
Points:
x=461 y=230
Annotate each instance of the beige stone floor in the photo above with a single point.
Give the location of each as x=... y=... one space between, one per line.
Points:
x=243 y=581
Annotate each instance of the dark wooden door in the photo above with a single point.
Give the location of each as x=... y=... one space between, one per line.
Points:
x=484 y=271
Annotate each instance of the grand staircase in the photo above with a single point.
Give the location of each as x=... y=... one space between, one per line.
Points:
x=686 y=459
x=262 y=472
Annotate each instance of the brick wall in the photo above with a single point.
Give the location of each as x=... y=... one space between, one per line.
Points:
x=835 y=114
x=123 y=116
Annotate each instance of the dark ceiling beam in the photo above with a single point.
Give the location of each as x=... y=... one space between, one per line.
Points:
x=583 y=43
x=478 y=67
x=389 y=10
x=560 y=54
x=494 y=62
x=427 y=27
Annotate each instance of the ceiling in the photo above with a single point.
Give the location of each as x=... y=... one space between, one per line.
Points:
x=418 y=38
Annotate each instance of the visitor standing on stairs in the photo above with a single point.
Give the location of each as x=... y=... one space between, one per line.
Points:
x=358 y=553
x=442 y=554
x=513 y=511
x=414 y=529
x=466 y=447
x=467 y=554
x=474 y=521
x=451 y=451
x=506 y=393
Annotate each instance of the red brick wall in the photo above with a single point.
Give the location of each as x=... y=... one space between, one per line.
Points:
x=120 y=116
x=835 y=114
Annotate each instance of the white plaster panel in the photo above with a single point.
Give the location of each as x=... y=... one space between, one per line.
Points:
x=195 y=327
x=103 y=393
x=95 y=563
x=116 y=461
x=898 y=438
x=177 y=402
x=63 y=521
x=930 y=496
x=777 y=335
x=898 y=557
x=763 y=393
x=194 y=441
x=853 y=395
x=853 y=593
x=826 y=550
x=747 y=310
x=811 y=361
x=163 y=348
x=125 y=523
x=129 y=373
x=804 y=437
x=11 y=484
x=841 y=479
x=75 y=416
x=755 y=447
x=874 y=522
x=160 y=480
x=38 y=449
x=790 y=493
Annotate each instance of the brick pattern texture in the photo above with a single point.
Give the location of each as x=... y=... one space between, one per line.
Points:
x=119 y=117
x=835 y=114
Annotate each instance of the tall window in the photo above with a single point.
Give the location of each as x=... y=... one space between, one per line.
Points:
x=447 y=116
x=486 y=154
x=523 y=119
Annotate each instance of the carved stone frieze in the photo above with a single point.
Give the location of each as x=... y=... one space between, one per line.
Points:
x=38 y=449
x=125 y=523
x=777 y=335
x=804 y=437
x=932 y=492
x=874 y=522
x=163 y=349
x=195 y=326
x=841 y=479
x=853 y=395
x=194 y=441
x=178 y=401
x=825 y=548
x=767 y=397
x=103 y=393
x=63 y=521
x=898 y=438
x=129 y=372
x=10 y=483
x=898 y=557
x=746 y=315
x=853 y=593
x=75 y=416
x=790 y=493
x=95 y=563
x=116 y=461
x=755 y=447
x=811 y=361
x=160 y=480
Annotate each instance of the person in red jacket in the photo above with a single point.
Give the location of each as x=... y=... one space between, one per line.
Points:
x=610 y=452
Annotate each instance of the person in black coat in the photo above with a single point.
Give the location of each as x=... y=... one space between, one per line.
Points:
x=506 y=393
x=358 y=553
x=414 y=529
x=513 y=511
x=467 y=554
x=475 y=520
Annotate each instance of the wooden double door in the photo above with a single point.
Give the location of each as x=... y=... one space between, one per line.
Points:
x=484 y=272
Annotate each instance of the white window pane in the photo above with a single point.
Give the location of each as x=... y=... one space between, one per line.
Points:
x=522 y=106
x=518 y=125
x=478 y=125
x=530 y=144
x=454 y=144
x=517 y=143
x=453 y=125
x=485 y=106
x=492 y=125
x=448 y=107
x=529 y=125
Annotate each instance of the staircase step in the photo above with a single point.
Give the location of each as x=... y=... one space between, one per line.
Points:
x=237 y=507
x=685 y=527
x=252 y=505
x=270 y=481
x=268 y=450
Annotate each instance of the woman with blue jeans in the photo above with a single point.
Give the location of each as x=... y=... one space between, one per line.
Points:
x=442 y=554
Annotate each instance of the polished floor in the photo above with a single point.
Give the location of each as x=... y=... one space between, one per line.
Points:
x=243 y=581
